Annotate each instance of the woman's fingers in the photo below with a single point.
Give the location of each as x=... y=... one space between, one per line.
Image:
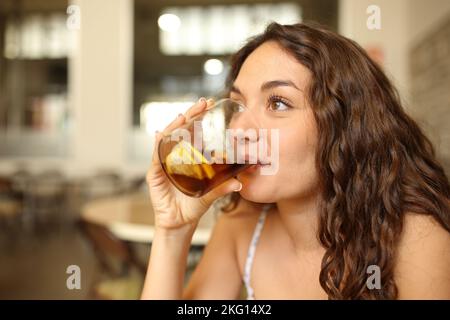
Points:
x=179 y=120
x=193 y=111
x=210 y=102
x=155 y=157
x=196 y=109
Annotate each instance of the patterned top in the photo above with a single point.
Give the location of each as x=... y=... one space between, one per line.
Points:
x=251 y=252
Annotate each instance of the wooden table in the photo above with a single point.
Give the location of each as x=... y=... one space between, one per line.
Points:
x=130 y=218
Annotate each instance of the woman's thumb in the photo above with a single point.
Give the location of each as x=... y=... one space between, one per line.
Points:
x=231 y=185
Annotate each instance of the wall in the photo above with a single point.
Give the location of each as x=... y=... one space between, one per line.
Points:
x=406 y=26
x=429 y=47
x=424 y=16
x=392 y=37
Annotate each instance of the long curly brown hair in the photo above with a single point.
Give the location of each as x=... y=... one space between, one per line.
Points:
x=374 y=162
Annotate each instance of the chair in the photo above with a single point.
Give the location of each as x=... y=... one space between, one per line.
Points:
x=45 y=198
x=103 y=184
x=137 y=184
x=10 y=211
x=122 y=274
x=75 y=199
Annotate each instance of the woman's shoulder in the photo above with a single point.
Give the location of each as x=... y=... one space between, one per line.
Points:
x=422 y=229
x=423 y=258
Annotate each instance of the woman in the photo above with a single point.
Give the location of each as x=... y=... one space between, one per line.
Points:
x=358 y=188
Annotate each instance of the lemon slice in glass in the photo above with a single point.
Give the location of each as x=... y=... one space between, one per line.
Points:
x=209 y=170
x=185 y=160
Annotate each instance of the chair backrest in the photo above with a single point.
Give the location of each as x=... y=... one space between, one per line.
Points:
x=114 y=255
x=20 y=181
x=102 y=184
x=138 y=184
x=48 y=184
x=5 y=186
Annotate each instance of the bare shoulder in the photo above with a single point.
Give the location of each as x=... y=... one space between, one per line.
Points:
x=421 y=231
x=423 y=260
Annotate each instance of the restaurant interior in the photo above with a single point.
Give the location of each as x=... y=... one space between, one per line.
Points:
x=84 y=84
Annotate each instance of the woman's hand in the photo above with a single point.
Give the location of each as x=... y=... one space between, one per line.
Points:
x=173 y=209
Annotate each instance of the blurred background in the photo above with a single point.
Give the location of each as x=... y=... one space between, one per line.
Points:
x=84 y=84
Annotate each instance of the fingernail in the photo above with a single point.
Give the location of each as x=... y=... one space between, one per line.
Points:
x=180 y=114
x=202 y=99
x=239 y=188
x=210 y=101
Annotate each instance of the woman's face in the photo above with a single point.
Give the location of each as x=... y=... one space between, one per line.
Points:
x=272 y=85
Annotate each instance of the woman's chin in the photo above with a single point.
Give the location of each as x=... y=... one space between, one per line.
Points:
x=255 y=191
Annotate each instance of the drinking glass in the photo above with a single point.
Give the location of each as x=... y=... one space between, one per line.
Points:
x=210 y=148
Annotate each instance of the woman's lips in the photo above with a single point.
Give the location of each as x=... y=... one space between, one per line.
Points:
x=255 y=167
x=250 y=159
x=255 y=161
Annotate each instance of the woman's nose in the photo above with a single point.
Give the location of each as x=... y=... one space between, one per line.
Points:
x=244 y=119
x=245 y=131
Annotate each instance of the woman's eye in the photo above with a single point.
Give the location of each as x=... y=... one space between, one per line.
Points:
x=278 y=105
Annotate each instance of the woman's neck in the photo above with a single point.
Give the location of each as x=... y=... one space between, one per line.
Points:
x=299 y=218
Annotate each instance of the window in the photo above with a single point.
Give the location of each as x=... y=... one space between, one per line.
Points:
x=34 y=47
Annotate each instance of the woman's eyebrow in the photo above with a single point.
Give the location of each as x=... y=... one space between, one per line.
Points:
x=235 y=89
x=269 y=85
x=278 y=83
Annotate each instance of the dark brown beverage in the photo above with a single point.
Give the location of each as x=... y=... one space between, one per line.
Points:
x=191 y=172
x=196 y=187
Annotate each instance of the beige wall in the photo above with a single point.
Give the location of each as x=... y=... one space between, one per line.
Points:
x=404 y=24
x=423 y=16
x=101 y=84
x=430 y=62
x=392 y=37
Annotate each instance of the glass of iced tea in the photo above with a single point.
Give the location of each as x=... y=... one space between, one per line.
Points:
x=210 y=148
